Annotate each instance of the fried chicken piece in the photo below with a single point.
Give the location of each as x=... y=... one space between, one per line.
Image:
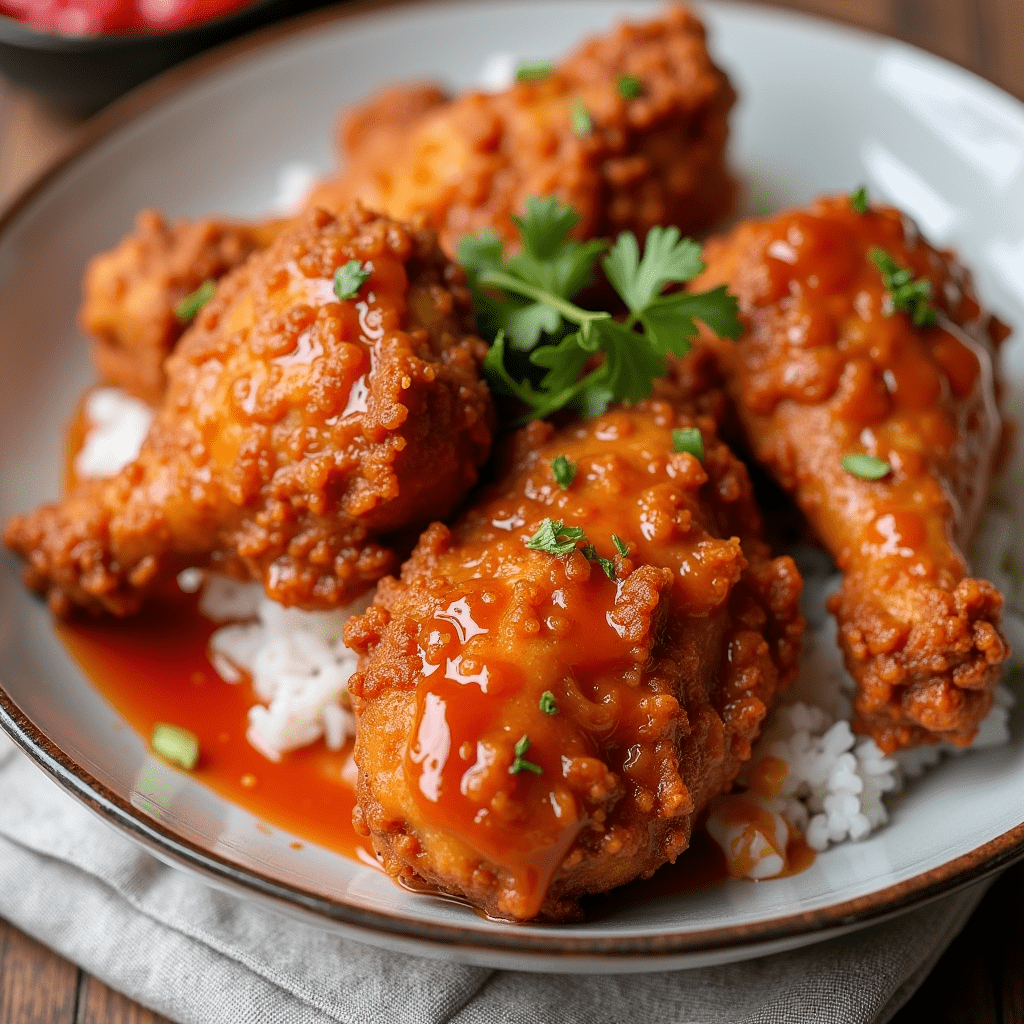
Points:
x=130 y=293
x=465 y=164
x=624 y=161
x=296 y=430
x=530 y=730
x=828 y=368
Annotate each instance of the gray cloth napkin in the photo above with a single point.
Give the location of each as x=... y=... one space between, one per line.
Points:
x=201 y=956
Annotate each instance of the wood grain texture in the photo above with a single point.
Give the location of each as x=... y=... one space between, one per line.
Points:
x=99 y=1004
x=36 y=985
x=980 y=979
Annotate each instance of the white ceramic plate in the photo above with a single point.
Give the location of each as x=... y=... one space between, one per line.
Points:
x=823 y=109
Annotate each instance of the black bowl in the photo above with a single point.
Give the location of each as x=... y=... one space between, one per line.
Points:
x=83 y=73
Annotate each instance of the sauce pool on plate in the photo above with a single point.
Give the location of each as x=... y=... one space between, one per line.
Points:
x=154 y=668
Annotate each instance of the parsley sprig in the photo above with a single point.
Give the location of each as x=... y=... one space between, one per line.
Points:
x=908 y=295
x=555 y=538
x=526 y=305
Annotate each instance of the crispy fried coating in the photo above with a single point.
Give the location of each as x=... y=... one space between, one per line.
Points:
x=624 y=162
x=129 y=294
x=828 y=367
x=296 y=430
x=530 y=730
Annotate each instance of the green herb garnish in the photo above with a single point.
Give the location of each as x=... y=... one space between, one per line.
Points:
x=177 y=745
x=564 y=471
x=859 y=201
x=533 y=71
x=867 y=467
x=591 y=555
x=520 y=764
x=187 y=310
x=688 y=439
x=349 y=278
x=580 y=119
x=908 y=295
x=553 y=537
x=528 y=301
x=629 y=86
x=620 y=545
x=547 y=703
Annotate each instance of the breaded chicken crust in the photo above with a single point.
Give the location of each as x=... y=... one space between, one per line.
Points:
x=296 y=431
x=529 y=730
x=465 y=164
x=625 y=161
x=129 y=295
x=827 y=368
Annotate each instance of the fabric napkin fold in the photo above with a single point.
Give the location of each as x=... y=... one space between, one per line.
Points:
x=202 y=956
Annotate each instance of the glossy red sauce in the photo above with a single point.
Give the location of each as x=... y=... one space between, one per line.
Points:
x=153 y=668
x=117 y=17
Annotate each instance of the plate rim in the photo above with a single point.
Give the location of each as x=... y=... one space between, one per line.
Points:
x=374 y=925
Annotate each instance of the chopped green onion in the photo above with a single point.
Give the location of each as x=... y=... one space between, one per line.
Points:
x=867 y=467
x=688 y=439
x=859 y=201
x=177 y=745
x=580 y=119
x=186 y=310
x=629 y=86
x=620 y=545
x=532 y=71
x=520 y=764
x=547 y=703
x=564 y=471
x=349 y=278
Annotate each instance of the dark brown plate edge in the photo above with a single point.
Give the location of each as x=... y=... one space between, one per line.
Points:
x=880 y=905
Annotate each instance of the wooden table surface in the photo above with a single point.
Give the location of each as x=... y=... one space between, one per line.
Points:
x=980 y=979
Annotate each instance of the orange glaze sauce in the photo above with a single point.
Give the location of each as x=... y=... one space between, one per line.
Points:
x=154 y=668
x=832 y=360
x=493 y=626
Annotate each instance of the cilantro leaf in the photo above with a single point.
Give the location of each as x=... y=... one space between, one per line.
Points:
x=553 y=537
x=520 y=764
x=629 y=86
x=620 y=545
x=349 y=278
x=859 y=201
x=547 y=703
x=908 y=295
x=591 y=555
x=581 y=357
x=546 y=225
x=667 y=259
x=564 y=471
x=580 y=119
